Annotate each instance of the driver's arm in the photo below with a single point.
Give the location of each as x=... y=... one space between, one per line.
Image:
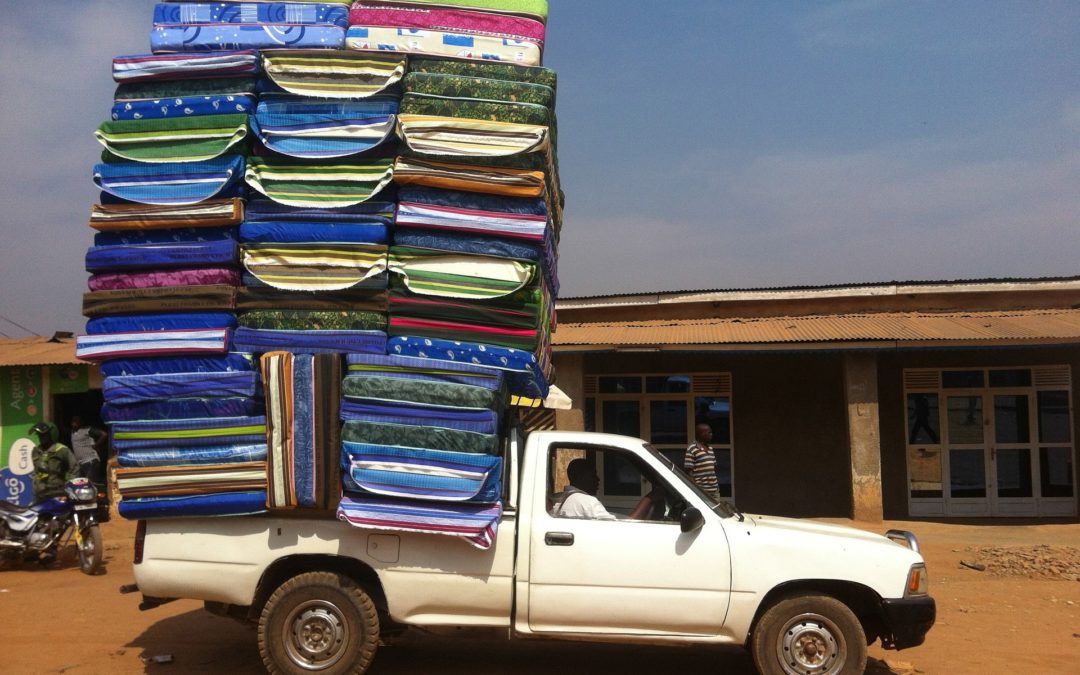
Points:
x=643 y=507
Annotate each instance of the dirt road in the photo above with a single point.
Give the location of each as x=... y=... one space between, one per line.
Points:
x=1021 y=614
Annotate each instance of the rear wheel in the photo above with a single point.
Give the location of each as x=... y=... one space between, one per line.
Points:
x=809 y=635
x=318 y=622
x=90 y=550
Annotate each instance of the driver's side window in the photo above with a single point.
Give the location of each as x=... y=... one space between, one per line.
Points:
x=606 y=484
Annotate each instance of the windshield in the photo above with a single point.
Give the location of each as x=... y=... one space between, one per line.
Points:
x=724 y=508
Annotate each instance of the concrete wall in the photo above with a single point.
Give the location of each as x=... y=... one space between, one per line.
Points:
x=864 y=434
x=893 y=410
x=788 y=424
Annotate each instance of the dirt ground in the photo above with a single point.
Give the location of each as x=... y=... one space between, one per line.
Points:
x=1020 y=614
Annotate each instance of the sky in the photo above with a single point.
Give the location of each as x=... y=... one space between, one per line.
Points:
x=702 y=145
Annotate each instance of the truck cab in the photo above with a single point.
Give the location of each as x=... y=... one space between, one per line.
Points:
x=803 y=596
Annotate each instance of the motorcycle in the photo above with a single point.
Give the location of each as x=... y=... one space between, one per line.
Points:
x=42 y=530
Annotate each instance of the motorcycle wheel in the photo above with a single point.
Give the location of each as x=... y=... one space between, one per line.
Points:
x=90 y=550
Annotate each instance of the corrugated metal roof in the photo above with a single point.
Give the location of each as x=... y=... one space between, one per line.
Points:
x=1052 y=325
x=869 y=286
x=37 y=351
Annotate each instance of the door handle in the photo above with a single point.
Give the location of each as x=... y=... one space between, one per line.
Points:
x=559 y=538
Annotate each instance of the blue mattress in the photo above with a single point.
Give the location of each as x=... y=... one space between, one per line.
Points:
x=261 y=210
x=140 y=388
x=214 y=37
x=455 y=242
x=416 y=368
x=179 y=364
x=309 y=341
x=186 y=13
x=477 y=201
x=181 y=408
x=152 y=343
x=184 y=106
x=171 y=235
x=293 y=232
x=216 y=454
x=132 y=323
x=170 y=182
x=478 y=420
x=522 y=371
x=224 y=504
x=421 y=474
x=157 y=256
x=311 y=128
x=189 y=433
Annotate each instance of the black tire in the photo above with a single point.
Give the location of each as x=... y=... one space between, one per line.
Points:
x=318 y=622
x=91 y=552
x=809 y=634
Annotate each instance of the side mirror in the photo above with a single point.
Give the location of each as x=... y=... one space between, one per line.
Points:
x=691 y=519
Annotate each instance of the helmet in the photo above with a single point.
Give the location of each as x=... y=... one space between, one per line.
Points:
x=44 y=428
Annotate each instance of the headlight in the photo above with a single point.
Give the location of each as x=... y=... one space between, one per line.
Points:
x=918 y=583
x=85 y=493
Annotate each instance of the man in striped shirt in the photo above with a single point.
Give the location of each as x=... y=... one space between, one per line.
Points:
x=700 y=461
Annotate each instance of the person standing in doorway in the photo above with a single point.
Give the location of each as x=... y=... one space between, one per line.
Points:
x=700 y=461
x=87 y=444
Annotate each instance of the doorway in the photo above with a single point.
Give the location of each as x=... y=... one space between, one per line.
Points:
x=990 y=442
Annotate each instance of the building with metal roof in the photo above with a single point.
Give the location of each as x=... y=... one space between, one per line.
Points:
x=900 y=399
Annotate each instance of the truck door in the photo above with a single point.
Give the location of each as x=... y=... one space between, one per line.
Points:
x=624 y=576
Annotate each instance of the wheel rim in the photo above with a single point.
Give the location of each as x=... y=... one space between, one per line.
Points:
x=810 y=644
x=86 y=551
x=315 y=635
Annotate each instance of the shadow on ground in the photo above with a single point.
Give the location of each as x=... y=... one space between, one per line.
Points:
x=197 y=640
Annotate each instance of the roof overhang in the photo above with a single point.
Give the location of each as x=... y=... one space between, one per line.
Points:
x=874 y=290
x=37 y=351
x=886 y=330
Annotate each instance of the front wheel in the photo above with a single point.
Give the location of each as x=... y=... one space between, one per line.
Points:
x=809 y=635
x=90 y=550
x=318 y=622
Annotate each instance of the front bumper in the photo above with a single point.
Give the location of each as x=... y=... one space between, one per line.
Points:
x=907 y=621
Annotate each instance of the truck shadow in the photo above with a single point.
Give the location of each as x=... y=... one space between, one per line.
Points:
x=423 y=654
x=197 y=640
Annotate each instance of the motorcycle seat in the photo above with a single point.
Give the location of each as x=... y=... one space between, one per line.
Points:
x=8 y=506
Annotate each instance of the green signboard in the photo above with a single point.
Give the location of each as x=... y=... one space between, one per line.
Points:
x=69 y=378
x=21 y=405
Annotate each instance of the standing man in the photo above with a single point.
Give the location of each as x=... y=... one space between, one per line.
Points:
x=87 y=443
x=54 y=463
x=700 y=461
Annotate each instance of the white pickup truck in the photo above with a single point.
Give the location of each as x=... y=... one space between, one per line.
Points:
x=802 y=596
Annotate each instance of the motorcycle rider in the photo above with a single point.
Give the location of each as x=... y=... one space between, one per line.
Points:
x=54 y=462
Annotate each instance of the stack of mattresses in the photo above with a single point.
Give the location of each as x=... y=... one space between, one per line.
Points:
x=314 y=243
x=275 y=205
x=474 y=253
x=185 y=409
x=302 y=429
x=420 y=446
x=192 y=440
